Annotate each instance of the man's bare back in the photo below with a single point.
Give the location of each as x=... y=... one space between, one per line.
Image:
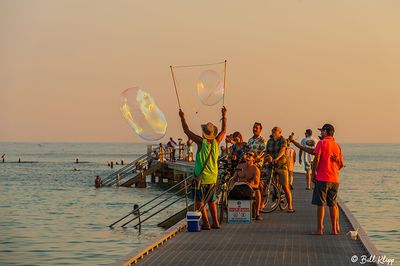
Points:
x=250 y=174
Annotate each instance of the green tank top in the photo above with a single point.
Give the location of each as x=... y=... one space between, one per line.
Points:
x=210 y=172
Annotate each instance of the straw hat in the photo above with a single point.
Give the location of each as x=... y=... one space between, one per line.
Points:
x=209 y=130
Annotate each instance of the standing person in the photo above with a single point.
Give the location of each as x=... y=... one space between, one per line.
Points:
x=334 y=158
x=171 y=148
x=291 y=160
x=310 y=142
x=327 y=163
x=257 y=143
x=276 y=148
x=161 y=153
x=180 y=149
x=206 y=166
x=189 y=150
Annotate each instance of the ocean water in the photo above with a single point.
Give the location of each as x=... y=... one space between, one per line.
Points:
x=51 y=214
x=369 y=186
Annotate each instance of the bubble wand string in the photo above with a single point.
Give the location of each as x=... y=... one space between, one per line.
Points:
x=176 y=91
x=198 y=65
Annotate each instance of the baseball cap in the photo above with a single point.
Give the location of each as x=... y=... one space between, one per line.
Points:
x=328 y=128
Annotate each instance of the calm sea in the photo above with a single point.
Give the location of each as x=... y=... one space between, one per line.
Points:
x=51 y=214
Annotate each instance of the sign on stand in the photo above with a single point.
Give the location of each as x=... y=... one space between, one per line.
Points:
x=239 y=211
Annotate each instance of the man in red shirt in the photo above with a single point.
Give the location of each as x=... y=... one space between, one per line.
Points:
x=328 y=161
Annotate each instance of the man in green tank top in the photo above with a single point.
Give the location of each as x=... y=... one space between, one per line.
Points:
x=206 y=165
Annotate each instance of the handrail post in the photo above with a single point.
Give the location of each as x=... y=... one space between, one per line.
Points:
x=140 y=223
x=136 y=212
x=118 y=178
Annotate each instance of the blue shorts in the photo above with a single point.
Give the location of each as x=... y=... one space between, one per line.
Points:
x=204 y=192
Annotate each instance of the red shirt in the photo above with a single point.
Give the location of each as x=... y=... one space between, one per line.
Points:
x=330 y=160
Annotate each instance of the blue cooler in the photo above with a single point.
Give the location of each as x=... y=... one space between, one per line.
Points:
x=193 y=221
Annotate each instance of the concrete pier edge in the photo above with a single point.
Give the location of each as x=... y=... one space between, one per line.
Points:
x=362 y=235
x=152 y=244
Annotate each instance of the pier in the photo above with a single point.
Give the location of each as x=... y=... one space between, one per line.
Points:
x=280 y=239
x=136 y=172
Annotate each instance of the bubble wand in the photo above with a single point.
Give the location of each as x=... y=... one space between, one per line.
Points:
x=223 y=96
x=199 y=65
x=176 y=91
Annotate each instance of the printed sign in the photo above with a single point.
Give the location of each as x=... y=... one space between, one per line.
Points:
x=239 y=211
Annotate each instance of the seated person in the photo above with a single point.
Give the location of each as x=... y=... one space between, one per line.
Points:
x=248 y=173
x=239 y=148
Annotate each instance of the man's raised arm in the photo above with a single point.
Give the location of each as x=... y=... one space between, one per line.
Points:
x=301 y=147
x=221 y=134
x=197 y=139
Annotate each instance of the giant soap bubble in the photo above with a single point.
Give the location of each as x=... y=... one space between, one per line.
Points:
x=210 y=87
x=142 y=114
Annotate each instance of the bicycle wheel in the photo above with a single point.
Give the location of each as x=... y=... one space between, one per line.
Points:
x=283 y=204
x=270 y=196
x=222 y=206
x=222 y=196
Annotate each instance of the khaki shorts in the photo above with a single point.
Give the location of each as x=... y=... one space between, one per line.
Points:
x=282 y=174
x=307 y=166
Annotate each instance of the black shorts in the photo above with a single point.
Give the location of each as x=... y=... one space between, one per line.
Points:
x=325 y=192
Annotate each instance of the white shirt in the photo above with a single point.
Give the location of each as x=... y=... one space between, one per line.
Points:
x=309 y=142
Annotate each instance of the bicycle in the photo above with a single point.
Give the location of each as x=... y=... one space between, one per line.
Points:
x=272 y=193
x=223 y=184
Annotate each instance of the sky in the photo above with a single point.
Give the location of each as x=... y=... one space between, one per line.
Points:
x=293 y=64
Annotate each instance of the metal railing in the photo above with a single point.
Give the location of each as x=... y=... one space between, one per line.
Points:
x=158 y=204
x=131 y=169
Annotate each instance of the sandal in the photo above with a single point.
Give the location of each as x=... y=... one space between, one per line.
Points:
x=205 y=227
x=215 y=227
x=290 y=211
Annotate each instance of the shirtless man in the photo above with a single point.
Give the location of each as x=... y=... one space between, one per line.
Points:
x=248 y=172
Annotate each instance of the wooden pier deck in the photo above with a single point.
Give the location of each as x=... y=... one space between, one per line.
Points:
x=281 y=239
